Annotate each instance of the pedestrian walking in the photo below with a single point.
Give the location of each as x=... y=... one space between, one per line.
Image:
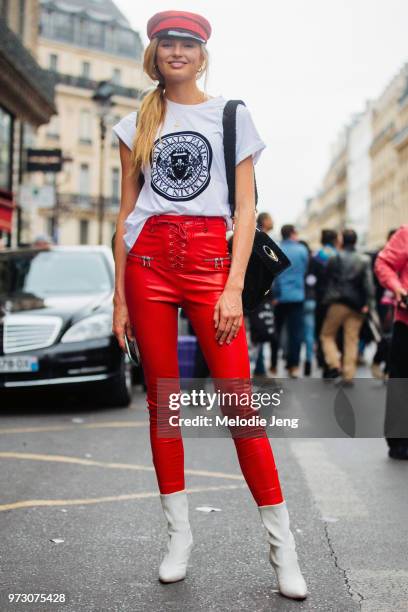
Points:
x=262 y=330
x=171 y=250
x=349 y=296
x=288 y=293
x=309 y=310
x=264 y=222
x=391 y=268
x=385 y=304
x=330 y=243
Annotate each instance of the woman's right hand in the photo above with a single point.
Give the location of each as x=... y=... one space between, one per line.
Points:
x=121 y=323
x=400 y=294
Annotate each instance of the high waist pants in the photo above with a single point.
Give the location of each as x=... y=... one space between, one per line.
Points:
x=183 y=260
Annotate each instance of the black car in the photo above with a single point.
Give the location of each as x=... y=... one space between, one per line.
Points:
x=56 y=322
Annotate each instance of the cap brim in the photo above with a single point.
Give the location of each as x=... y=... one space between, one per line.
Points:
x=180 y=34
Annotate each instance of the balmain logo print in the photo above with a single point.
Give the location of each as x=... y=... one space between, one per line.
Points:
x=181 y=165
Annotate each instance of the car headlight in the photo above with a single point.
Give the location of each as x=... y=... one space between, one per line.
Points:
x=95 y=326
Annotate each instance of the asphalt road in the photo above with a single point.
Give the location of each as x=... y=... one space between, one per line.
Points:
x=84 y=475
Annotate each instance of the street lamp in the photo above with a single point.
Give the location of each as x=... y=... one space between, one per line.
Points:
x=103 y=100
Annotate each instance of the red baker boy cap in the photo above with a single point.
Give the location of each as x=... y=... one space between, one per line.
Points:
x=180 y=24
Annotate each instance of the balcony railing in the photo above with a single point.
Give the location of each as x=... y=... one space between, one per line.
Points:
x=77 y=201
x=84 y=83
x=401 y=138
x=382 y=137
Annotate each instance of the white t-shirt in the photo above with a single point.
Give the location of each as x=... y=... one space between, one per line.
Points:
x=187 y=175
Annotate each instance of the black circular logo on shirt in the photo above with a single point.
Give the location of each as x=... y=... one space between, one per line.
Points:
x=181 y=165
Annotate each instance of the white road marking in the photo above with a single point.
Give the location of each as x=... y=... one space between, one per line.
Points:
x=31 y=503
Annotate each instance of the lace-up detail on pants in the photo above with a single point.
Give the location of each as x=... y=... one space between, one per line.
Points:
x=182 y=244
x=178 y=238
x=177 y=245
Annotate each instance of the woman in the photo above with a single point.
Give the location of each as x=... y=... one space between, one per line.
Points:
x=174 y=253
x=391 y=268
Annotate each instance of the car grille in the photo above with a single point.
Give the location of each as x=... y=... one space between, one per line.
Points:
x=24 y=332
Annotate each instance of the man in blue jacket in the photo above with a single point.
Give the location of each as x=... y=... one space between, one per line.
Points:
x=289 y=294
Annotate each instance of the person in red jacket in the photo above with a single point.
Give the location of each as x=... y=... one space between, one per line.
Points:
x=391 y=268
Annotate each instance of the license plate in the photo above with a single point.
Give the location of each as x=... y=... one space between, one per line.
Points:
x=19 y=364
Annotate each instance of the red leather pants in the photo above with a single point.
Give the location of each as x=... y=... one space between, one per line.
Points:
x=183 y=260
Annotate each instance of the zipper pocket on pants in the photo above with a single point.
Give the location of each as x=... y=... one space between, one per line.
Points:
x=218 y=261
x=146 y=259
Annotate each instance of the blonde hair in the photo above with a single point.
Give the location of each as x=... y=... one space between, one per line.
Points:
x=153 y=108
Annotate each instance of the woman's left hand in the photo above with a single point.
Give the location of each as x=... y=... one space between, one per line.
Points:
x=228 y=315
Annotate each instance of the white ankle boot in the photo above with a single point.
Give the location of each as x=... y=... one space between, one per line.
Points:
x=283 y=555
x=180 y=540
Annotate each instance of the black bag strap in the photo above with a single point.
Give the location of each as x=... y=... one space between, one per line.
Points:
x=229 y=123
x=141 y=175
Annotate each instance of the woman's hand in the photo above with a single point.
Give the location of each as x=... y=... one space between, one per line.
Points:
x=121 y=323
x=400 y=294
x=228 y=315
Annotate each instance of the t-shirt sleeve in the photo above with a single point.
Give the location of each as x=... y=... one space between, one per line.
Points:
x=125 y=129
x=248 y=140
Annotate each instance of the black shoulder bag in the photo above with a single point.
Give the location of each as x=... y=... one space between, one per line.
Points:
x=267 y=260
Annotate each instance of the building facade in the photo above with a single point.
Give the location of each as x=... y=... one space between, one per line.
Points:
x=366 y=185
x=401 y=146
x=26 y=102
x=386 y=154
x=327 y=209
x=81 y=44
x=358 y=201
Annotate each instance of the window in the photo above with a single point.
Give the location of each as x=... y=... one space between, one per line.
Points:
x=46 y=23
x=53 y=62
x=114 y=139
x=83 y=231
x=85 y=126
x=110 y=38
x=115 y=185
x=86 y=70
x=29 y=135
x=84 y=183
x=49 y=226
x=4 y=9
x=127 y=42
x=116 y=76
x=21 y=18
x=63 y=26
x=53 y=130
x=6 y=137
x=55 y=273
x=95 y=34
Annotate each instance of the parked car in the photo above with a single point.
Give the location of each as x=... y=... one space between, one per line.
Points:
x=56 y=322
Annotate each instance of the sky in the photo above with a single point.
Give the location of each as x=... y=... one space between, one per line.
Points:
x=303 y=68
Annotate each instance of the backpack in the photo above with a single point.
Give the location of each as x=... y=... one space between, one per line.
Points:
x=348 y=290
